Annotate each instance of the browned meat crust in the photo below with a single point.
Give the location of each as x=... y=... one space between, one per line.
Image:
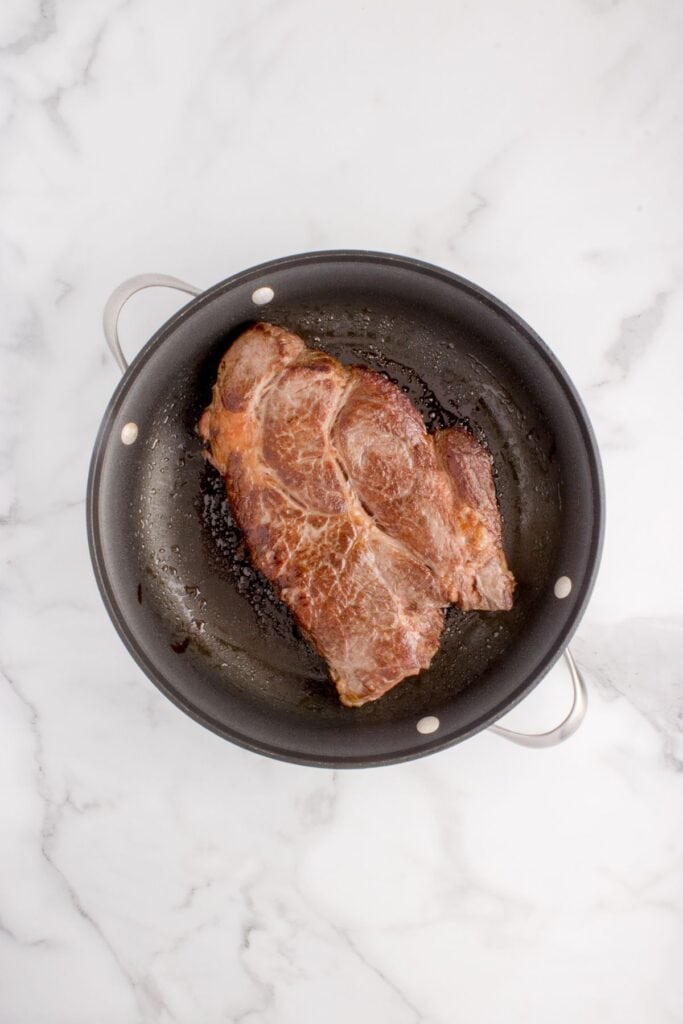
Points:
x=367 y=525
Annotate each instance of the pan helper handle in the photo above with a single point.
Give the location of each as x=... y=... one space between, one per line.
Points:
x=120 y=296
x=566 y=728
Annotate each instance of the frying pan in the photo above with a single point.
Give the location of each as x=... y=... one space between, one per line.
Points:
x=169 y=559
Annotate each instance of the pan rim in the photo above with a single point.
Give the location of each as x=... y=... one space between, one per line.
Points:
x=405 y=752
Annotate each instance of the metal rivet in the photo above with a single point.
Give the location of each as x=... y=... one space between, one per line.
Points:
x=563 y=587
x=262 y=296
x=129 y=434
x=428 y=724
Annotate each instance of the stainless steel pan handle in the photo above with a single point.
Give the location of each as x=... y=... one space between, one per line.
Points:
x=119 y=297
x=566 y=728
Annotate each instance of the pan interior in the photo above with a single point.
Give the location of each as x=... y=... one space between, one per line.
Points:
x=211 y=631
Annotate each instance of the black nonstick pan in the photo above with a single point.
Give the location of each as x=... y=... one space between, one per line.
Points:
x=170 y=562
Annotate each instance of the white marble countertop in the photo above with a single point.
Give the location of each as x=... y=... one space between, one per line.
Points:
x=149 y=871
